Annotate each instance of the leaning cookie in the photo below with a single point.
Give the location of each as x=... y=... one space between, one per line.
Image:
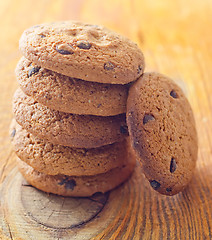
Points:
x=89 y=52
x=80 y=131
x=81 y=186
x=162 y=131
x=71 y=95
x=53 y=159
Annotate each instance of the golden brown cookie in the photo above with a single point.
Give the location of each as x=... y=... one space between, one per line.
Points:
x=89 y=52
x=57 y=159
x=81 y=131
x=82 y=186
x=162 y=131
x=68 y=94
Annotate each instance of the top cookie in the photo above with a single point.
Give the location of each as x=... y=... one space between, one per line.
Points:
x=89 y=52
x=162 y=130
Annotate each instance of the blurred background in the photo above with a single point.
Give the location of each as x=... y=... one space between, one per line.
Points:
x=158 y=26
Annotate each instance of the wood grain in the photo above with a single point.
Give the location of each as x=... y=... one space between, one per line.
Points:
x=176 y=39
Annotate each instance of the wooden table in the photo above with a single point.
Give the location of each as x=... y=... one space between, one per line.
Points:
x=176 y=39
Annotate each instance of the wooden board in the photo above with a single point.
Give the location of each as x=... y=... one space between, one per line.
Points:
x=176 y=38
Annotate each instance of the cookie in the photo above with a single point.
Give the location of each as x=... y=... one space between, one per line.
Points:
x=57 y=159
x=80 y=131
x=81 y=186
x=89 y=52
x=162 y=131
x=70 y=95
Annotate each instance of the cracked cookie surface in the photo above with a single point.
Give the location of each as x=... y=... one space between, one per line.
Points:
x=89 y=52
x=162 y=131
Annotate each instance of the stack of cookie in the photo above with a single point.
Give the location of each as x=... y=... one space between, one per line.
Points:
x=70 y=133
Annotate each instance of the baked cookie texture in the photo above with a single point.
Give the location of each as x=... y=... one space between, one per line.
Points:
x=70 y=95
x=80 y=131
x=53 y=159
x=162 y=131
x=89 y=52
x=77 y=186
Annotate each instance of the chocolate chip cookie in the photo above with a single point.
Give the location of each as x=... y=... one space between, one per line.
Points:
x=81 y=186
x=54 y=159
x=80 y=131
x=88 y=52
x=162 y=131
x=70 y=95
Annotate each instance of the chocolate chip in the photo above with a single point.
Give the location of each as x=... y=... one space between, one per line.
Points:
x=62 y=182
x=139 y=69
x=124 y=129
x=12 y=135
x=83 y=45
x=168 y=189
x=173 y=94
x=64 y=49
x=147 y=118
x=108 y=66
x=99 y=105
x=42 y=36
x=63 y=52
x=154 y=184
x=33 y=71
x=173 y=165
x=69 y=184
